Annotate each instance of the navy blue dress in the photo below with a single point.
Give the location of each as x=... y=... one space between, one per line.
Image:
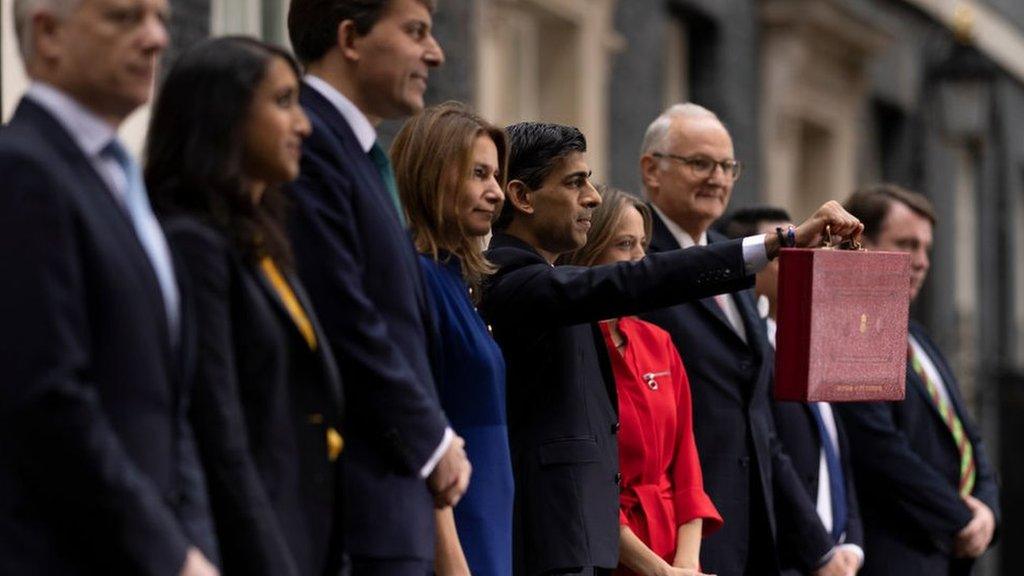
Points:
x=471 y=385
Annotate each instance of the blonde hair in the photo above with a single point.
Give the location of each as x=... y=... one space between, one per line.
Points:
x=433 y=156
x=605 y=223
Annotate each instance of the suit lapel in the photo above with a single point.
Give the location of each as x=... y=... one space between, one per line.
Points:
x=324 y=116
x=945 y=372
x=96 y=190
x=664 y=241
x=605 y=363
x=322 y=348
x=368 y=178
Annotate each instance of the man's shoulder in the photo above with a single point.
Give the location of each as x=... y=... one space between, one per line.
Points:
x=507 y=251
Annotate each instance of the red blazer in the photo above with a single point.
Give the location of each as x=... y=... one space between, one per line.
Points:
x=662 y=484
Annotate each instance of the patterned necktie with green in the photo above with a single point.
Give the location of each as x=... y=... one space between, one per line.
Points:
x=963 y=444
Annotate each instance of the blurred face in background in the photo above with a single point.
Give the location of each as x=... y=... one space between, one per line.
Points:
x=481 y=198
x=104 y=53
x=275 y=127
x=628 y=239
x=904 y=230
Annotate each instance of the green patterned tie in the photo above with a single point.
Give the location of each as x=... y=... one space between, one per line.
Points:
x=963 y=444
x=383 y=164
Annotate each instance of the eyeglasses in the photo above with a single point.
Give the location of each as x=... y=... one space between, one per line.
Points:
x=702 y=166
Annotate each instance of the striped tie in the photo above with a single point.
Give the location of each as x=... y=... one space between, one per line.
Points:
x=963 y=444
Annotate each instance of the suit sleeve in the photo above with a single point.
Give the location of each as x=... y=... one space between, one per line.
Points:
x=690 y=499
x=882 y=453
x=252 y=542
x=576 y=295
x=986 y=488
x=51 y=418
x=330 y=256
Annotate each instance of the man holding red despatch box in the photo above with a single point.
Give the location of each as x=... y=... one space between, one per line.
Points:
x=927 y=490
x=689 y=168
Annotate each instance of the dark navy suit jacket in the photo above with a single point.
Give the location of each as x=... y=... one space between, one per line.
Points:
x=907 y=469
x=732 y=419
x=98 y=468
x=798 y=432
x=562 y=406
x=263 y=404
x=361 y=271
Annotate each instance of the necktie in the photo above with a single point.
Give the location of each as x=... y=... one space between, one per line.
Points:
x=836 y=481
x=956 y=428
x=383 y=164
x=148 y=230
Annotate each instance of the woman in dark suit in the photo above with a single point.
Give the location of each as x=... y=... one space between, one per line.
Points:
x=449 y=167
x=226 y=131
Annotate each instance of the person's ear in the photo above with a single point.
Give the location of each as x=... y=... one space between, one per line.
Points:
x=46 y=32
x=520 y=196
x=348 y=40
x=649 y=175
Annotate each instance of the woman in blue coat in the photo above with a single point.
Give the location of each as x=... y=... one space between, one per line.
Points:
x=449 y=167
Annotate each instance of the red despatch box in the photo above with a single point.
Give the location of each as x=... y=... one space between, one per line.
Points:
x=842 y=325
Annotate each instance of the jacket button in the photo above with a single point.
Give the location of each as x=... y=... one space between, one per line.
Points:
x=618 y=478
x=616 y=427
x=744 y=461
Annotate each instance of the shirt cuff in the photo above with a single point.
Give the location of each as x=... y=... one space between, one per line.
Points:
x=446 y=441
x=755 y=255
x=857 y=550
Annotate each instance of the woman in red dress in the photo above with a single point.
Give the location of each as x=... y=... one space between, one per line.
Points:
x=663 y=509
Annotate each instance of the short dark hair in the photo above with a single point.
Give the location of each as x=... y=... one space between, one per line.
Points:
x=195 y=144
x=313 y=24
x=872 y=204
x=535 y=149
x=747 y=221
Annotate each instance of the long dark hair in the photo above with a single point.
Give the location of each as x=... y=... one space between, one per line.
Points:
x=195 y=144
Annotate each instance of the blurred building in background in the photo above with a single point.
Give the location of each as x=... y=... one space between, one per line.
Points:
x=821 y=96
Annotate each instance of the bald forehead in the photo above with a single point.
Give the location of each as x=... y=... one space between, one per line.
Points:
x=686 y=130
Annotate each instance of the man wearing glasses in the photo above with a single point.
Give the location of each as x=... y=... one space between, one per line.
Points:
x=688 y=170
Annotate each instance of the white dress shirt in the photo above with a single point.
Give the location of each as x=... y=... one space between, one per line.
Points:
x=366 y=134
x=929 y=368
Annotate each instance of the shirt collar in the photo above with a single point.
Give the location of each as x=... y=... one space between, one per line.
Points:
x=682 y=236
x=360 y=124
x=88 y=130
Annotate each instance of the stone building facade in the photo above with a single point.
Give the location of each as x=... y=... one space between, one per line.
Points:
x=821 y=96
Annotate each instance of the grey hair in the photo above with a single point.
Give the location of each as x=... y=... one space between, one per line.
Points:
x=658 y=130
x=25 y=10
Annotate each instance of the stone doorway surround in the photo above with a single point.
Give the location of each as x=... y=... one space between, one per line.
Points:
x=815 y=56
x=548 y=60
